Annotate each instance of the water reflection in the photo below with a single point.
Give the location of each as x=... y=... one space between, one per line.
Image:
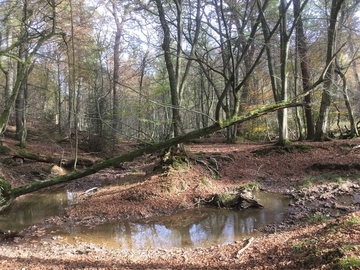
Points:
x=32 y=208
x=188 y=229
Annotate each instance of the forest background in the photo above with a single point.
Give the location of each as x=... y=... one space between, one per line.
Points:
x=110 y=71
x=163 y=72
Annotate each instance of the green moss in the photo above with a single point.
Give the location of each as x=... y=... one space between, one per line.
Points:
x=225 y=199
x=350 y=247
x=5 y=187
x=353 y=221
x=4 y=150
x=180 y=163
x=308 y=182
x=285 y=143
x=307 y=244
x=205 y=181
x=350 y=262
x=318 y=218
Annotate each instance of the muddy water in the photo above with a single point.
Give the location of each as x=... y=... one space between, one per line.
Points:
x=350 y=200
x=187 y=229
x=191 y=228
x=33 y=208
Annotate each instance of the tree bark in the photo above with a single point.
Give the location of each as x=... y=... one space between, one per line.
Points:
x=20 y=112
x=305 y=69
x=23 y=68
x=173 y=80
x=322 y=121
x=284 y=55
x=116 y=68
x=9 y=75
x=20 y=103
x=353 y=128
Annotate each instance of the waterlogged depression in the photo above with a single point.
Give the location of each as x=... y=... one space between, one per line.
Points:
x=198 y=227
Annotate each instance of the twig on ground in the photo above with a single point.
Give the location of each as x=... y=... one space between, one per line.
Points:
x=210 y=168
x=245 y=248
x=200 y=200
x=258 y=170
x=354 y=148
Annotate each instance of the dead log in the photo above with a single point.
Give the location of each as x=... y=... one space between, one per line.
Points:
x=241 y=199
x=36 y=157
x=80 y=162
x=54 y=160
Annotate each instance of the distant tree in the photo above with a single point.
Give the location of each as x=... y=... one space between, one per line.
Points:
x=120 y=14
x=36 y=29
x=21 y=99
x=229 y=54
x=172 y=46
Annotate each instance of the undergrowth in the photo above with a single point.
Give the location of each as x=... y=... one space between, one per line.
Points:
x=348 y=263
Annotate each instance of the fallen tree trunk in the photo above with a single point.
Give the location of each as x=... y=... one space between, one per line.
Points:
x=13 y=193
x=36 y=157
x=55 y=160
x=7 y=196
x=148 y=149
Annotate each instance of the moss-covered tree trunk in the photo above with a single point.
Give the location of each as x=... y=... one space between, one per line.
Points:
x=13 y=193
x=7 y=194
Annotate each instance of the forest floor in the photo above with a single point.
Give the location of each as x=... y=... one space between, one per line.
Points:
x=322 y=231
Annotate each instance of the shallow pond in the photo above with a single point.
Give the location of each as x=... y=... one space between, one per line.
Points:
x=191 y=228
x=33 y=208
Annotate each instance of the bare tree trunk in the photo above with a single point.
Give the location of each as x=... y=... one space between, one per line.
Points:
x=9 y=73
x=58 y=95
x=322 y=121
x=355 y=72
x=77 y=112
x=4 y=116
x=284 y=55
x=20 y=108
x=20 y=112
x=71 y=83
x=353 y=129
x=173 y=78
x=48 y=33
x=305 y=70
x=73 y=113
x=116 y=69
